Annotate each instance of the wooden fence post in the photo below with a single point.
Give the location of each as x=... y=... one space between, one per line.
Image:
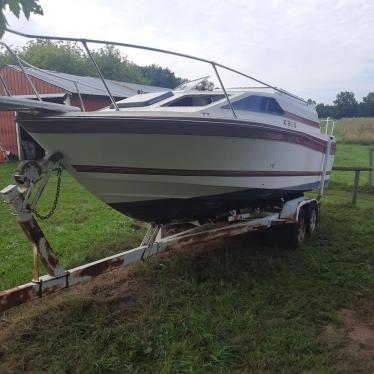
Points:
x=371 y=153
x=355 y=186
x=356 y=183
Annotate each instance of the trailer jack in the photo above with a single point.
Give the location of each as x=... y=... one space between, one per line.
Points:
x=32 y=174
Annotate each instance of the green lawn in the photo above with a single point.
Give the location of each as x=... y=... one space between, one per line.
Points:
x=81 y=230
x=248 y=305
x=350 y=155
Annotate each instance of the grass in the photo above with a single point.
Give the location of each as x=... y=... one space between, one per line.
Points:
x=355 y=136
x=355 y=130
x=82 y=230
x=247 y=305
x=350 y=155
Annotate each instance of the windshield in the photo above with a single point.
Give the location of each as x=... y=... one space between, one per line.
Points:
x=190 y=85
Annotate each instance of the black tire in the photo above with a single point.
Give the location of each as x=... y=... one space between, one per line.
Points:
x=311 y=219
x=296 y=232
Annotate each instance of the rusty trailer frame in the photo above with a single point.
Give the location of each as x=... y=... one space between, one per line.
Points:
x=60 y=278
x=57 y=278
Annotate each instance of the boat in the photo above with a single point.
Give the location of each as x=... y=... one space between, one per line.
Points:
x=187 y=154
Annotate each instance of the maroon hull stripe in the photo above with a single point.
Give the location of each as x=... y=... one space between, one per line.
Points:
x=170 y=126
x=199 y=173
x=302 y=119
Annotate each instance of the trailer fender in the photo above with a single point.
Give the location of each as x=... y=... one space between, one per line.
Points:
x=291 y=209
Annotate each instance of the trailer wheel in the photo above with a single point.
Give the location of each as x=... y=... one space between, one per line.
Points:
x=296 y=232
x=311 y=219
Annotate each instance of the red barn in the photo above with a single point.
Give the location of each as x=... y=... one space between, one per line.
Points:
x=56 y=87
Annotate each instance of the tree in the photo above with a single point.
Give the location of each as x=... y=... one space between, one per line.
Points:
x=71 y=58
x=16 y=7
x=366 y=107
x=325 y=111
x=57 y=56
x=205 y=85
x=115 y=65
x=369 y=98
x=346 y=104
x=162 y=77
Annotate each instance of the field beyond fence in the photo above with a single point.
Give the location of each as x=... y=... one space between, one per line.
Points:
x=355 y=130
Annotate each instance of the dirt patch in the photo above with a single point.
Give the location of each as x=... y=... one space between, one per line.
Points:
x=354 y=332
x=104 y=304
x=119 y=290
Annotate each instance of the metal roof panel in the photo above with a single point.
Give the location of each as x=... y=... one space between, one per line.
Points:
x=88 y=85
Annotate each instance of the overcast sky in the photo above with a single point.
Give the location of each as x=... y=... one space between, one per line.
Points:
x=312 y=48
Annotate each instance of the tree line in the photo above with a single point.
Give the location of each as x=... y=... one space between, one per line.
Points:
x=346 y=105
x=71 y=58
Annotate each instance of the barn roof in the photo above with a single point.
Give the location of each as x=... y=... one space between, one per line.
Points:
x=88 y=85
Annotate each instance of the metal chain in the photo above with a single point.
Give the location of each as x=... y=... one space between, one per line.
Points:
x=55 y=201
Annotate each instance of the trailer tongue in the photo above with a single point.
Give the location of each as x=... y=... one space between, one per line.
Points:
x=299 y=217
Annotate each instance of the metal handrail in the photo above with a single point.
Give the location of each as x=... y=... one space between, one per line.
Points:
x=84 y=42
x=22 y=68
x=6 y=89
x=59 y=77
x=223 y=88
x=329 y=120
x=79 y=96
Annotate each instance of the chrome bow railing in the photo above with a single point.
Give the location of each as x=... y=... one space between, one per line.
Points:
x=85 y=43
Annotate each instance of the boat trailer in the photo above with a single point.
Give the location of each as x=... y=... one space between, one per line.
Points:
x=298 y=215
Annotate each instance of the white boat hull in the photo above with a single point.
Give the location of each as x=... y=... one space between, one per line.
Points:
x=163 y=177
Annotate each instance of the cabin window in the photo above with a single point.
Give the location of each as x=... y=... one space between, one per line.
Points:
x=256 y=103
x=194 y=100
